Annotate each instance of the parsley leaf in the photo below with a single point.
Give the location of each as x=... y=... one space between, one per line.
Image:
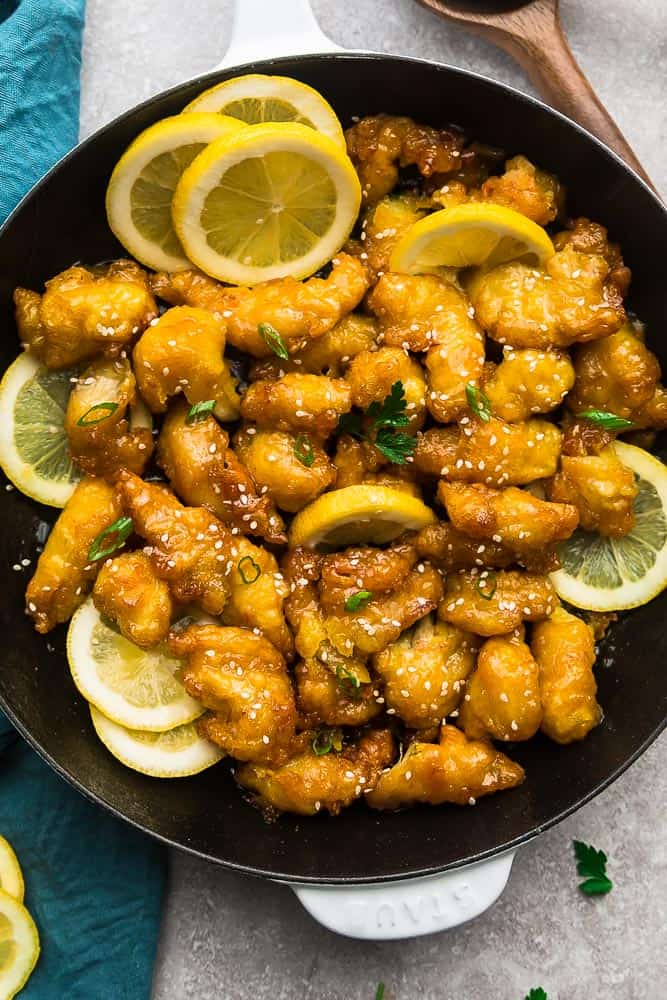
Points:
x=394 y=445
x=592 y=866
x=386 y=417
x=391 y=412
x=350 y=423
x=537 y=994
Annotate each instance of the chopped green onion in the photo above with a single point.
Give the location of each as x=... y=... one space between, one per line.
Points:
x=248 y=569
x=200 y=410
x=355 y=601
x=120 y=531
x=348 y=680
x=607 y=421
x=486 y=586
x=303 y=450
x=379 y=993
x=108 y=409
x=272 y=339
x=478 y=402
x=327 y=740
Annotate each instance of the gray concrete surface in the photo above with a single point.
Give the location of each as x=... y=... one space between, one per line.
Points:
x=230 y=938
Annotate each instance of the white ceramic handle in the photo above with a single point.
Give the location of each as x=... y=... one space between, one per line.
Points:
x=266 y=29
x=409 y=908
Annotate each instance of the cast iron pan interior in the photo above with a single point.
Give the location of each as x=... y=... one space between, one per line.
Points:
x=63 y=221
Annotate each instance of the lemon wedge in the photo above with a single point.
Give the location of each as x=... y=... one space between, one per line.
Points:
x=476 y=234
x=33 y=442
x=269 y=201
x=137 y=688
x=358 y=514
x=256 y=98
x=19 y=945
x=612 y=574
x=177 y=753
x=11 y=876
x=142 y=185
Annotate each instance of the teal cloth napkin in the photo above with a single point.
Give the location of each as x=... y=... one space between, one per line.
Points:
x=94 y=885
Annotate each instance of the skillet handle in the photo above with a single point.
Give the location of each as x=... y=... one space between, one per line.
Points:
x=409 y=908
x=266 y=30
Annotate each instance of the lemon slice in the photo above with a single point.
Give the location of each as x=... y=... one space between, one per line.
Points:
x=144 y=179
x=19 y=946
x=11 y=876
x=256 y=99
x=178 y=753
x=134 y=687
x=266 y=202
x=470 y=235
x=33 y=442
x=612 y=574
x=358 y=514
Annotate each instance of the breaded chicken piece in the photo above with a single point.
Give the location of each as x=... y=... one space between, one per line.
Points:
x=525 y=188
x=188 y=547
x=502 y=699
x=425 y=671
x=372 y=374
x=85 y=312
x=455 y=770
x=308 y=783
x=257 y=594
x=329 y=355
x=383 y=225
x=449 y=549
x=129 y=593
x=571 y=300
x=64 y=575
x=585 y=236
x=297 y=403
x=272 y=457
x=183 y=352
x=243 y=680
x=510 y=516
x=491 y=452
x=565 y=652
x=361 y=462
x=333 y=699
x=495 y=603
x=107 y=426
x=300 y=311
x=206 y=472
x=601 y=488
x=527 y=382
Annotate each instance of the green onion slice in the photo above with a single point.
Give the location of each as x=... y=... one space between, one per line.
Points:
x=200 y=410
x=272 y=339
x=355 y=601
x=607 y=421
x=103 y=411
x=248 y=569
x=303 y=450
x=486 y=586
x=478 y=402
x=327 y=740
x=118 y=533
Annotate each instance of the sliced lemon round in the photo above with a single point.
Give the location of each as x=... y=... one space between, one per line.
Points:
x=19 y=945
x=33 y=443
x=177 y=753
x=137 y=688
x=11 y=876
x=256 y=98
x=270 y=201
x=142 y=185
x=358 y=514
x=612 y=574
x=470 y=235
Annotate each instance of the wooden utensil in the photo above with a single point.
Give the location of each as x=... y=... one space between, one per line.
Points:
x=531 y=32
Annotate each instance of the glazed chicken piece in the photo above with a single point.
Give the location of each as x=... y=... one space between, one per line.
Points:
x=297 y=403
x=108 y=427
x=129 y=593
x=565 y=652
x=502 y=699
x=293 y=470
x=526 y=189
x=85 y=312
x=428 y=313
x=449 y=549
x=257 y=594
x=182 y=352
x=206 y=472
x=585 y=236
x=64 y=575
x=188 y=547
x=572 y=299
x=243 y=680
x=602 y=489
x=334 y=699
x=425 y=671
x=495 y=603
x=383 y=225
x=527 y=382
x=328 y=355
x=372 y=374
x=300 y=311
x=361 y=462
x=455 y=770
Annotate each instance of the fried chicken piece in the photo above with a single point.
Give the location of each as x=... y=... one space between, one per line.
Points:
x=300 y=311
x=565 y=652
x=257 y=595
x=328 y=355
x=183 y=352
x=361 y=462
x=428 y=313
x=188 y=547
x=129 y=593
x=108 y=428
x=206 y=472
x=526 y=189
x=425 y=671
x=502 y=699
x=495 y=603
x=601 y=488
x=243 y=679
x=455 y=770
x=271 y=458
x=527 y=382
x=334 y=699
x=449 y=549
x=384 y=224
x=572 y=299
x=510 y=517
x=85 y=312
x=585 y=236
x=64 y=575
x=298 y=403
x=372 y=374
